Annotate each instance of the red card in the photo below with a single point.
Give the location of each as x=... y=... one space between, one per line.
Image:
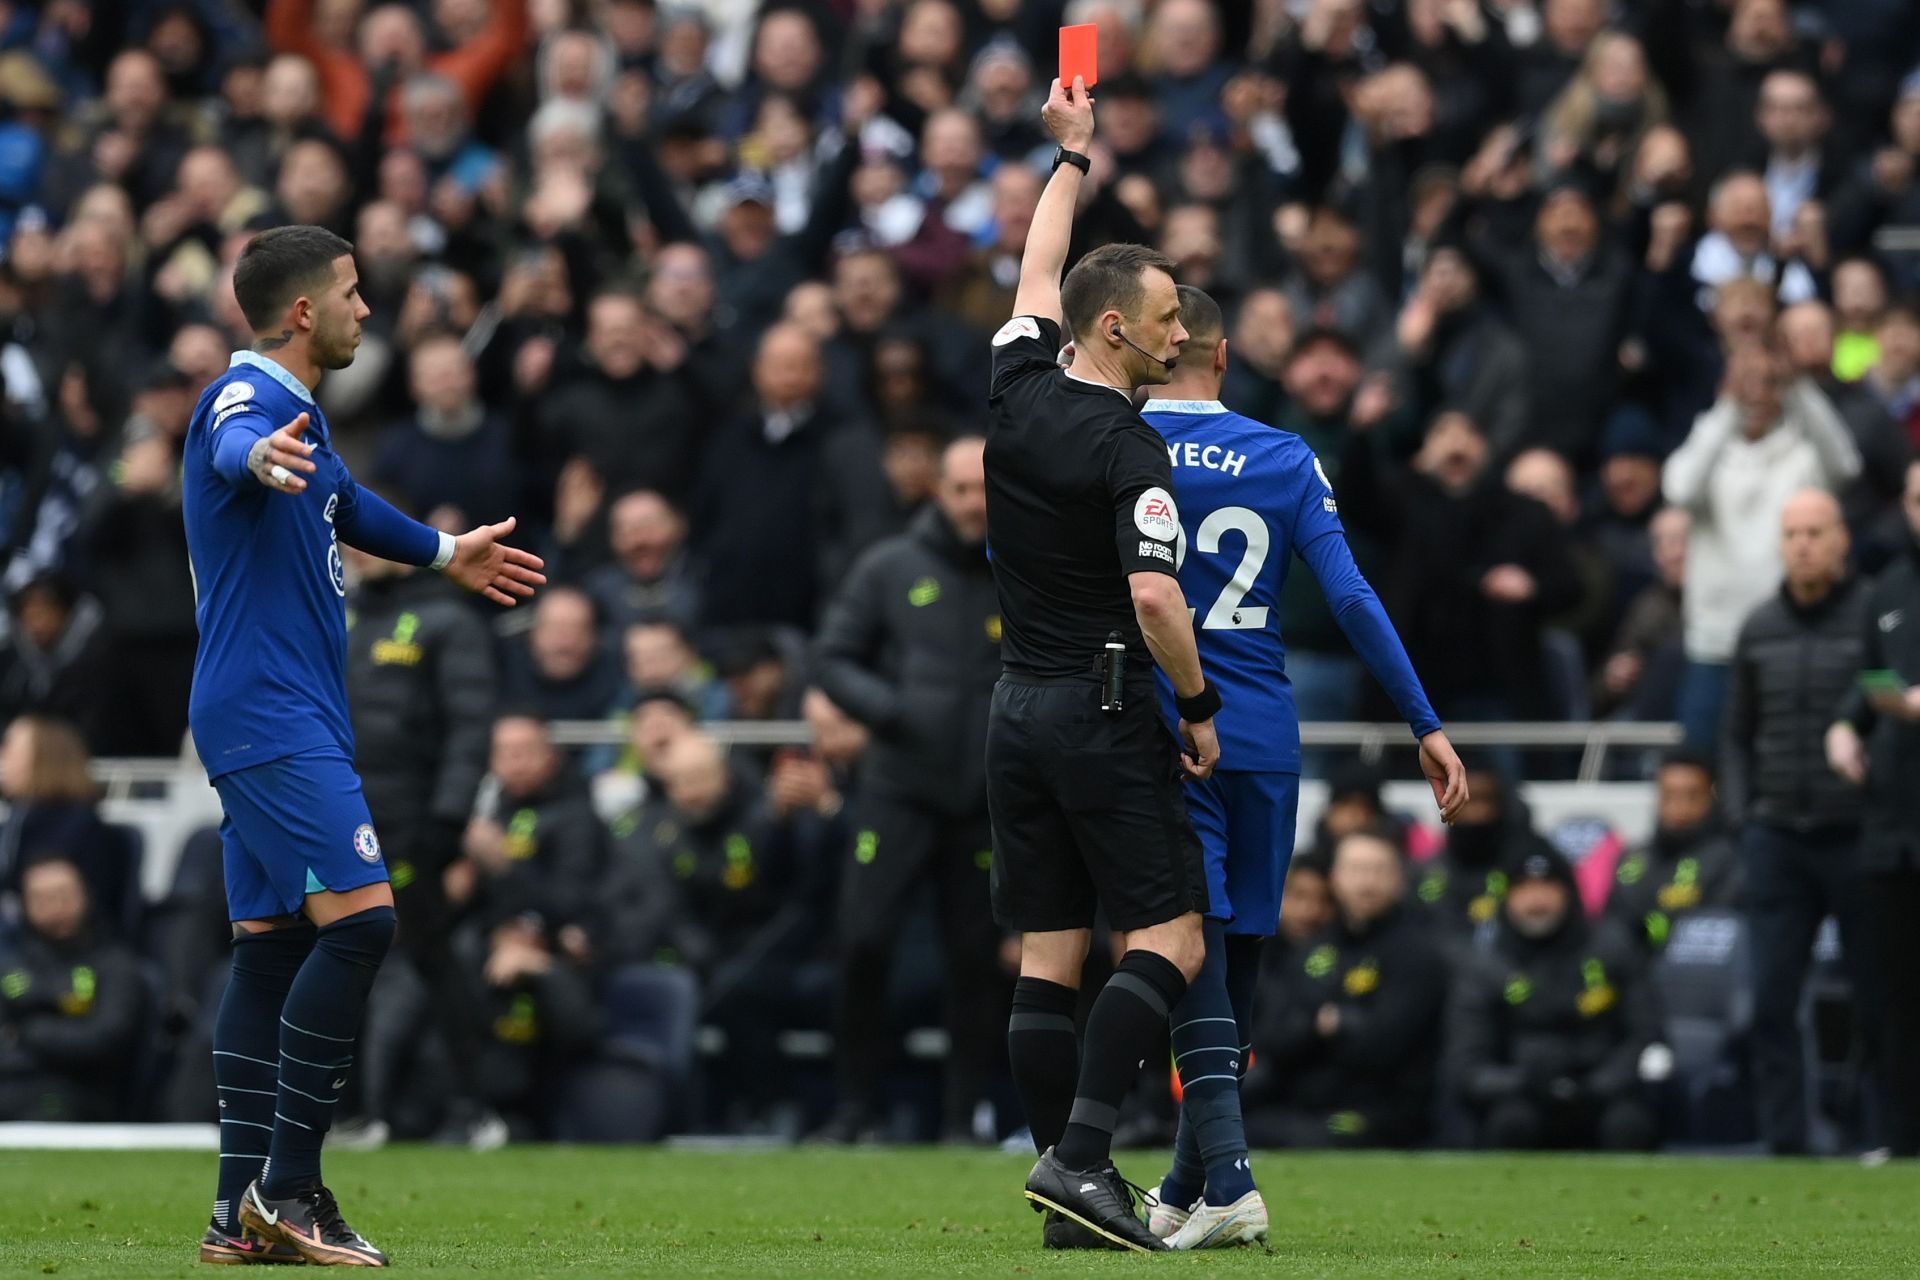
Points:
x=1080 y=54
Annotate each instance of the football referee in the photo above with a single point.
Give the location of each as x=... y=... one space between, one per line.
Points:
x=1083 y=778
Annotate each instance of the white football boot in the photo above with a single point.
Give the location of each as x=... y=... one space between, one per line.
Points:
x=1218 y=1226
x=1164 y=1219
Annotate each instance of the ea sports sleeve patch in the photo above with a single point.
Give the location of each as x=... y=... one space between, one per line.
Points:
x=1155 y=515
x=1017 y=328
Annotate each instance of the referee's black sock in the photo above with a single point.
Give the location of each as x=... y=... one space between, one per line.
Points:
x=1044 y=1050
x=1127 y=1019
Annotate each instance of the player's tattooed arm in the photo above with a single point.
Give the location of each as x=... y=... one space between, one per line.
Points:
x=274 y=344
x=278 y=461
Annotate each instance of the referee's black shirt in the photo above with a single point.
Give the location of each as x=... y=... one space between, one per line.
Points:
x=1079 y=495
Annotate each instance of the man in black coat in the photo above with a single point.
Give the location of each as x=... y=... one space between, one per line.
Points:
x=453 y=452
x=136 y=549
x=71 y=1005
x=1877 y=743
x=536 y=843
x=633 y=420
x=1549 y=1025
x=791 y=493
x=1475 y=570
x=55 y=657
x=1689 y=864
x=910 y=648
x=563 y=666
x=1796 y=660
x=421 y=689
x=1348 y=1047
x=1566 y=293
x=717 y=874
x=533 y=1018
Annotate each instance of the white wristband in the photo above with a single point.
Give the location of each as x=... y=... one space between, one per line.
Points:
x=445 y=556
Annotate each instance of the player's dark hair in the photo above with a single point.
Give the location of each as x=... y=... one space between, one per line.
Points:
x=1108 y=279
x=280 y=265
x=1201 y=317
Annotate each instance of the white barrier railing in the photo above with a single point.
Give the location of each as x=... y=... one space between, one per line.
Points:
x=1593 y=738
x=169 y=799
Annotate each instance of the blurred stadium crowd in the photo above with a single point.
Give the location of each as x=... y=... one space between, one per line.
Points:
x=1569 y=297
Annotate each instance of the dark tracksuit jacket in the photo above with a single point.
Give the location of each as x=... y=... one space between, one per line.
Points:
x=1577 y=1005
x=1672 y=875
x=421 y=687
x=910 y=647
x=70 y=1015
x=1373 y=1080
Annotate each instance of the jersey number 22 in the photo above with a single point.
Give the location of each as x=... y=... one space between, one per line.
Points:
x=1226 y=614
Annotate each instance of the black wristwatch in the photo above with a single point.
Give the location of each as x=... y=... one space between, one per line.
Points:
x=1074 y=158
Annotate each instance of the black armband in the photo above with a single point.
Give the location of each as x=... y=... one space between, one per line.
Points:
x=1074 y=158
x=1204 y=705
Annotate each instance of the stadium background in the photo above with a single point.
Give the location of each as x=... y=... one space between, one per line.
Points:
x=746 y=259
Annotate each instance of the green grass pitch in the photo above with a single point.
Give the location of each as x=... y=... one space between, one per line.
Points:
x=572 y=1211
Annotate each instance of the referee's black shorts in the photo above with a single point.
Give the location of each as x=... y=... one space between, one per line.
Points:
x=1087 y=807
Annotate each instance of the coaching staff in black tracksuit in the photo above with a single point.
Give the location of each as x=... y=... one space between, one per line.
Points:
x=1795 y=662
x=420 y=684
x=1086 y=803
x=910 y=648
x=1885 y=710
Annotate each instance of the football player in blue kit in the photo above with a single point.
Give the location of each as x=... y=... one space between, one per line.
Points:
x=267 y=503
x=1250 y=498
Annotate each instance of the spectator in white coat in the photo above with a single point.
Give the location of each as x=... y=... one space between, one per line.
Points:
x=1766 y=436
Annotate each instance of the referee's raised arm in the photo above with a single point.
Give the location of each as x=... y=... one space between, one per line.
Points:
x=1069 y=117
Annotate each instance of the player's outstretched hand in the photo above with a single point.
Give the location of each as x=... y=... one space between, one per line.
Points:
x=503 y=574
x=280 y=460
x=1445 y=774
x=1203 y=748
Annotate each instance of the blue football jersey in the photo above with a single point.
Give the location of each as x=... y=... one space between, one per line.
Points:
x=1250 y=496
x=270 y=677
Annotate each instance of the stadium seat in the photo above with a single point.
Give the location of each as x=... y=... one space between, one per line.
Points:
x=1703 y=984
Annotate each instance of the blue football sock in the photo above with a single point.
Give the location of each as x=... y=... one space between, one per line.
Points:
x=246 y=1053
x=318 y=1025
x=1207 y=1054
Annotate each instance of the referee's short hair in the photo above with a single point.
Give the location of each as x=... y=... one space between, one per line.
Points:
x=280 y=265
x=1108 y=279
x=1200 y=316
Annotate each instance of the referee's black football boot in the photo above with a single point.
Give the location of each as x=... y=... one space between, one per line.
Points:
x=243 y=1248
x=310 y=1224
x=1097 y=1199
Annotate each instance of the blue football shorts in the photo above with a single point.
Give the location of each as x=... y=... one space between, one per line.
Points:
x=1245 y=824
x=295 y=826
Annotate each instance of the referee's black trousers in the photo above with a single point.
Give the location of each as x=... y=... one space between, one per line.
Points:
x=898 y=846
